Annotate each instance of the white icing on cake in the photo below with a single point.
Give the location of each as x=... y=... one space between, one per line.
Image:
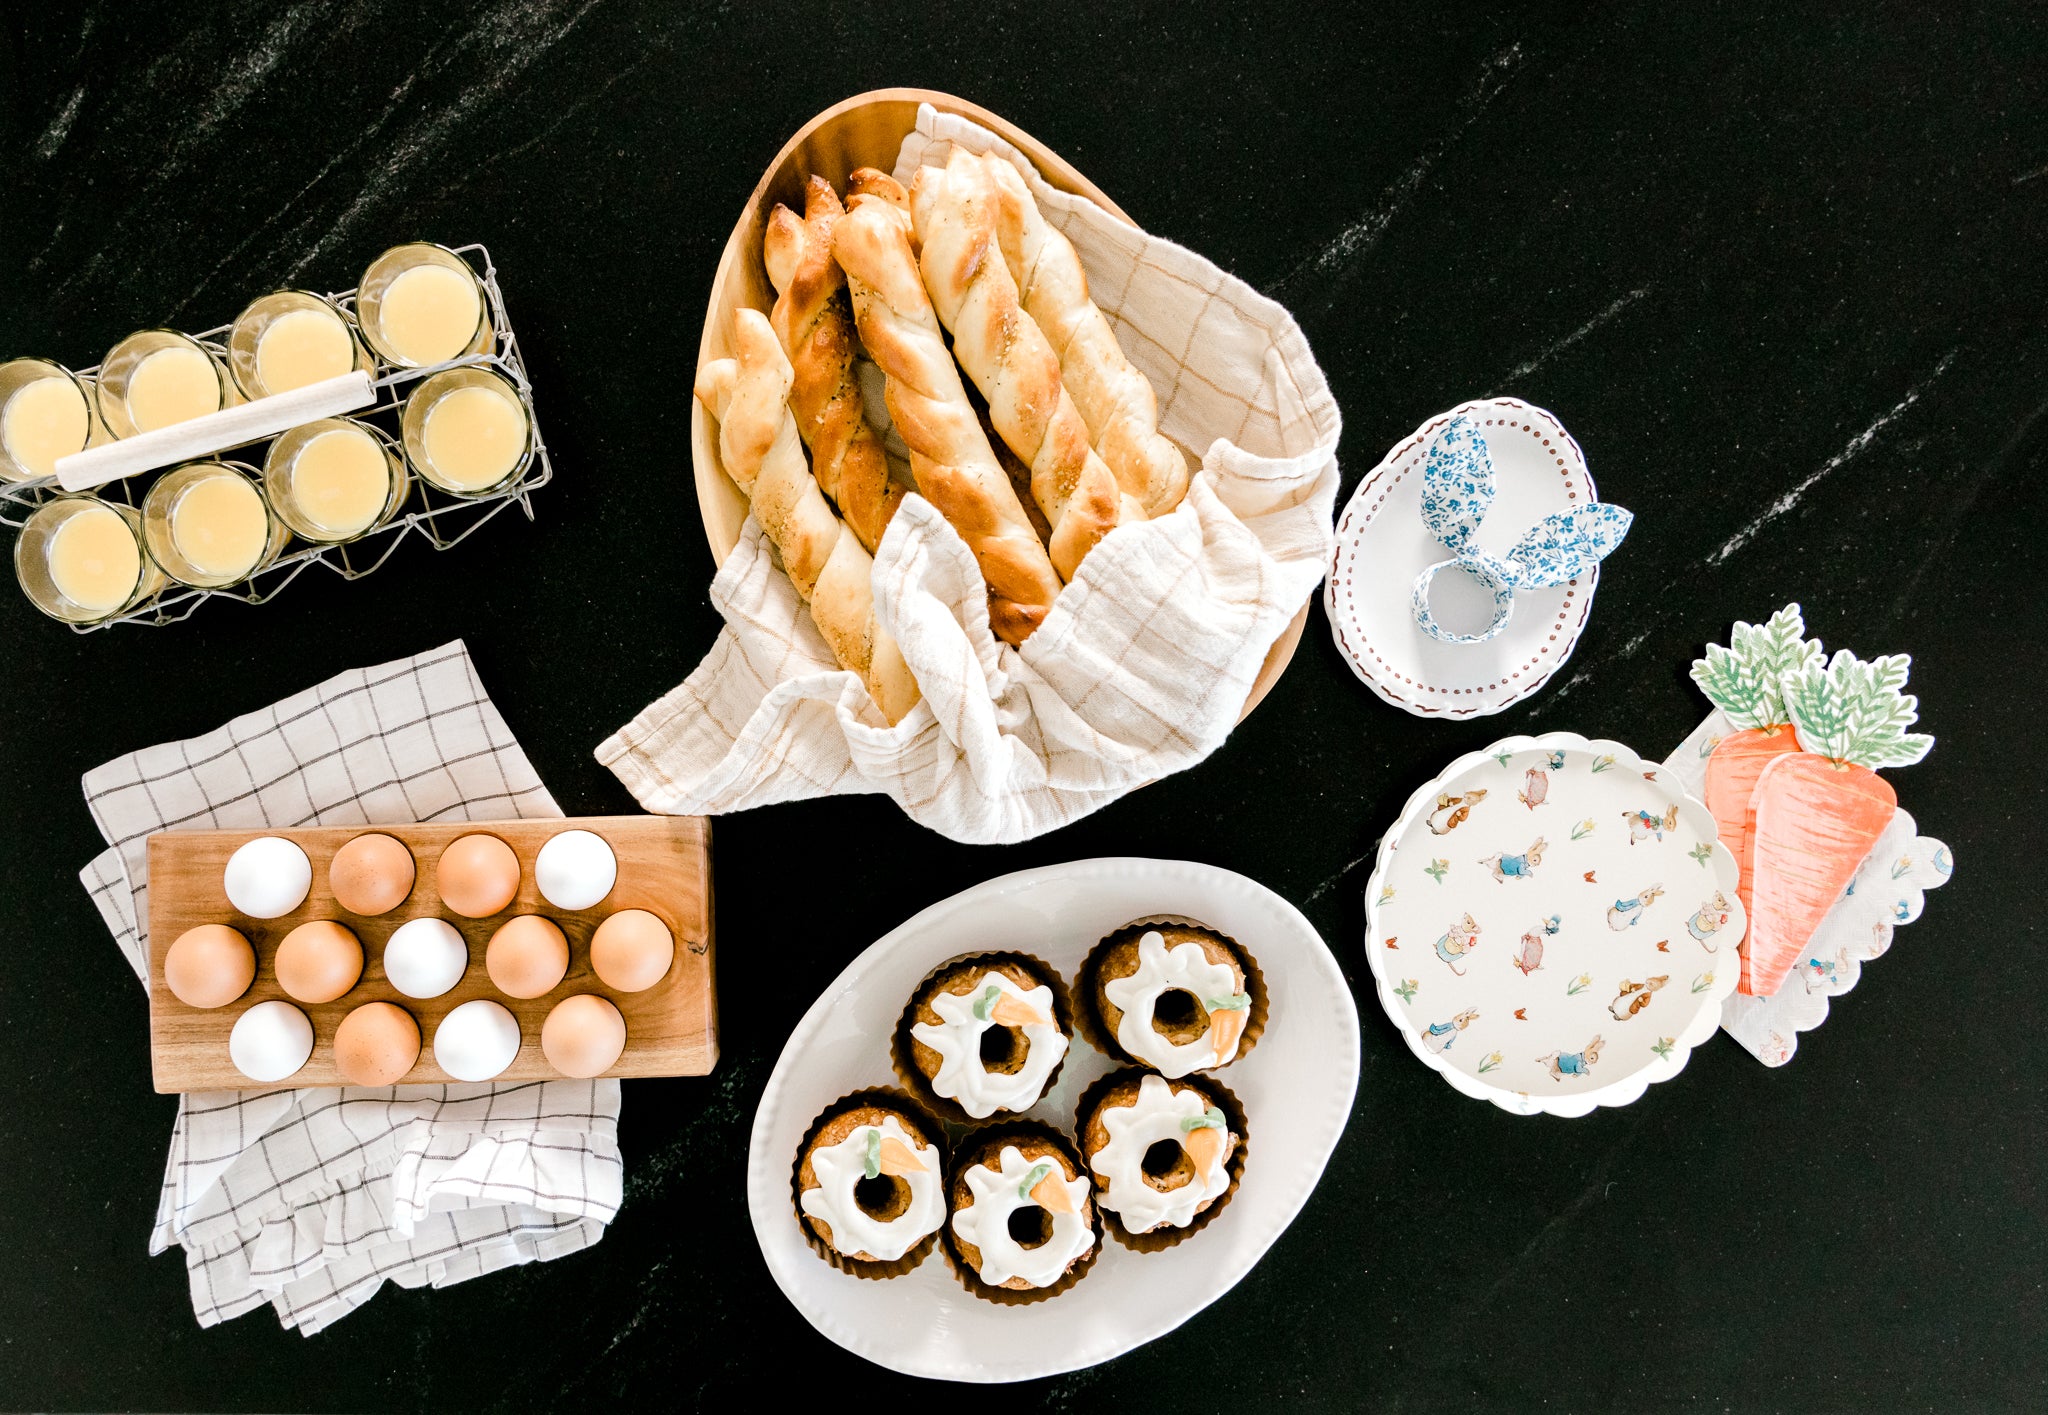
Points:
x=1156 y=1114
x=985 y=1223
x=957 y=1039
x=842 y=1166
x=1162 y=970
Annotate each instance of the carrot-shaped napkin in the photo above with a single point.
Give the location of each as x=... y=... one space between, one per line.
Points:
x=1743 y=681
x=1816 y=813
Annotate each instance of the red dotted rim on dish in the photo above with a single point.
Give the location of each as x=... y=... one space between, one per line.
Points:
x=1340 y=592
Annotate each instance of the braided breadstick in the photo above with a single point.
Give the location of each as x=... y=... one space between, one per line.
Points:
x=949 y=454
x=815 y=324
x=758 y=442
x=1116 y=400
x=1000 y=346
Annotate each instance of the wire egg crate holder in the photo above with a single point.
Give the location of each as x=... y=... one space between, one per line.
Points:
x=441 y=519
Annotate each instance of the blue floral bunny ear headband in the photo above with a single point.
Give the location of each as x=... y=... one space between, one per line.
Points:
x=1457 y=490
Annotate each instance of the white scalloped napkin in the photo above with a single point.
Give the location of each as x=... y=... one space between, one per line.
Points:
x=311 y=1200
x=1143 y=664
x=1889 y=890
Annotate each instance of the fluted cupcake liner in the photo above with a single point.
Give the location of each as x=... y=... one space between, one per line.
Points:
x=1088 y=988
x=988 y=1141
x=1165 y=1236
x=902 y=1046
x=916 y=1118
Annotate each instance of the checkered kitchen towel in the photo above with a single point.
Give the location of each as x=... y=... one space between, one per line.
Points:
x=1145 y=660
x=310 y=1200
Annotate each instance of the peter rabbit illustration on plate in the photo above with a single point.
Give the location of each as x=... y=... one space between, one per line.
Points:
x=1642 y=825
x=1708 y=920
x=1439 y=1036
x=1458 y=940
x=1627 y=913
x=1572 y=1063
x=1530 y=956
x=1535 y=787
x=1634 y=997
x=1453 y=811
x=1506 y=867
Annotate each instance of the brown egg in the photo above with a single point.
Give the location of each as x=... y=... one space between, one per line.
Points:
x=527 y=956
x=583 y=1035
x=477 y=876
x=376 y=1044
x=371 y=875
x=209 y=966
x=631 y=950
x=318 y=961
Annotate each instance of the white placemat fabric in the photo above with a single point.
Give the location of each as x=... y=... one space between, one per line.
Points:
x=1143 y=664
x=311 y=1200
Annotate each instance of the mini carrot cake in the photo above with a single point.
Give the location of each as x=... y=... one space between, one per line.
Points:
x=1023 y=1218
x=984 y=1034
x=1172 y=996
x=870 y=1184
x=1160 y=1150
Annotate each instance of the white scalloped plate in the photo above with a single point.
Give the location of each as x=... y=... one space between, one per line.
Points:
x=1382 y=546
x=1296 y=1087
x=1569 y=939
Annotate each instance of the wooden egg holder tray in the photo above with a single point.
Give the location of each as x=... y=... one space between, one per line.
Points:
x=664 y=868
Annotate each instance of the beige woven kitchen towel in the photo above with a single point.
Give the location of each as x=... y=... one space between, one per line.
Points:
x=312 y=1200
x=1144 y=662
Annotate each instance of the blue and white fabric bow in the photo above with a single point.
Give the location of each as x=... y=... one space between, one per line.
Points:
x=1457 y=490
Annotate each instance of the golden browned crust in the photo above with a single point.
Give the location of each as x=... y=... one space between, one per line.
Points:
x=1117 y=401
x=1006 y=354
x=814 y=320
x=949 y=455
x=763 y=453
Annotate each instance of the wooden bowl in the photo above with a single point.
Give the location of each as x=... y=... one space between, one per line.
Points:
x=863 y=131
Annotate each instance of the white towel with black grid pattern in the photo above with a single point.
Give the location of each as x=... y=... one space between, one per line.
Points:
x=1143 y=664
x=311 y=1200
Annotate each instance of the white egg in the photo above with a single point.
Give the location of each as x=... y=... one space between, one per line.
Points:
x=575 y=869
x=268 y=877
x=425 y=957
x=476 y=1041
x=270 y=1041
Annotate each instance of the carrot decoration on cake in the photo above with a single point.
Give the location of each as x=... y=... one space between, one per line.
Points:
x=1816 y=814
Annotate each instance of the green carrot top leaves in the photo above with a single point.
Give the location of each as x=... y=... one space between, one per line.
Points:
x=1853 y=711
x=1743 y=679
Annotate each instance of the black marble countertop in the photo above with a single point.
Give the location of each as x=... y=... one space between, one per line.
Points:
x=1779 y=269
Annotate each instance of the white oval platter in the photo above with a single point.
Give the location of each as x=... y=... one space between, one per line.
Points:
x=1552 y=924
x=1296 y=1087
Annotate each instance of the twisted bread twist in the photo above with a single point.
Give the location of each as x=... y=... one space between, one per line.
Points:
x=814 y=321
x=758 y=442
x=953 y=209
x=949 y=454
x=1116 y=400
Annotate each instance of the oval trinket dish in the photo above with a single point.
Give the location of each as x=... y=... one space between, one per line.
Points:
x=1383 y=544
x=1553 y=925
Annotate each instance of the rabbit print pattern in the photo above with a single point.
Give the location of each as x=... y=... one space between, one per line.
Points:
x=1584 y=983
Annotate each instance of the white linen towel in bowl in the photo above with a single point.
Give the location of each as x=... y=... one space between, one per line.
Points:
x=1142 y=666
x=311 y=1200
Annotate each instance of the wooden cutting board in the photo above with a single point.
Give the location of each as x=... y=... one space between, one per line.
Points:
x=664 y=868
